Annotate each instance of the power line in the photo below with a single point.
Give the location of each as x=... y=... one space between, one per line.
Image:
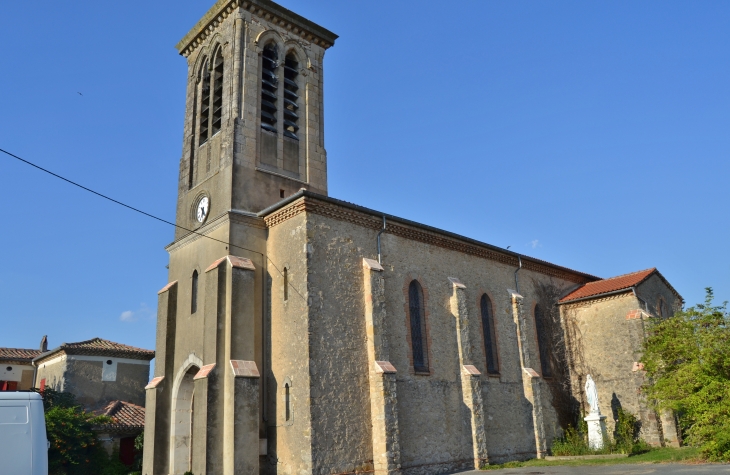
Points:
x=142 y=212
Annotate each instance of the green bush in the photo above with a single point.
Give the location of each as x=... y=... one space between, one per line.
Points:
x=687 y=361
x=575 y=441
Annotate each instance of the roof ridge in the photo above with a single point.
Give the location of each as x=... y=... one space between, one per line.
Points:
x=651 y=269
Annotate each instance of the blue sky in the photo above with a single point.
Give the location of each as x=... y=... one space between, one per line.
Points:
x=590 y=134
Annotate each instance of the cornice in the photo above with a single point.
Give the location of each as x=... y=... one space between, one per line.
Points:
x=264 y=9
x=413 y=232
x=596 y=299
x=231 y=216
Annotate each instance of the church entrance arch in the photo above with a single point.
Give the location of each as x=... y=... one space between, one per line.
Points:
x=181 y=433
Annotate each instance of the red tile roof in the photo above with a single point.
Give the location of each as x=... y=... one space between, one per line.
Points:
x=99 y=347
x=126 y=416
x=18 y=354
x=605 y=286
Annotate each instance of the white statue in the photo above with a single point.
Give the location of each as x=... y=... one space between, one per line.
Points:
x=592 y=395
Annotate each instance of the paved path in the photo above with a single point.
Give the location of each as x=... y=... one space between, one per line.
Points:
x=636 y=469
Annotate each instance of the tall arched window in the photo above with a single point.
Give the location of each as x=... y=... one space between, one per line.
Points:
x=286 y=283
x=291 y=117
x=269 y=101
x=543 y=341
x=490 y=337
x=204 y=105
x=217 y=98
x=417 y=316
x=287 y=401
x=194 y=293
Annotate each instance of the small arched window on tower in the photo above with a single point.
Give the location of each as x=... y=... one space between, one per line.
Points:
x=287 y=402
x=194 y=293
x=419 y=345
x=490 y=337
x=543 y=341
x=269 y=101
x=291 y=116
x=204 y=104
x=286 y=284
x=217 y=97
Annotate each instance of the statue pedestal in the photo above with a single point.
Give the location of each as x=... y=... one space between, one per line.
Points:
x=596 y=430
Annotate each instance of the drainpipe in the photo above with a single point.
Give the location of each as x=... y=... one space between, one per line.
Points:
x=381 y=232
x=517 y=282
x=35 y=371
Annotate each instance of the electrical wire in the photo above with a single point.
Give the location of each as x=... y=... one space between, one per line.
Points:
x=143 y=212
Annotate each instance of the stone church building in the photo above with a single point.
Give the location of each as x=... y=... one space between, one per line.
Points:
x=300 y=334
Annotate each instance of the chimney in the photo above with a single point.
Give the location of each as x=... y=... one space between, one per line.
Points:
x=44 y=344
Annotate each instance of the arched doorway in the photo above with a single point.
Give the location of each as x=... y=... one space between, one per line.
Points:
x=181 y=443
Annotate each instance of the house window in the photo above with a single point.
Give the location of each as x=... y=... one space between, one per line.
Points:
x=417 y=316
x=490 y=337
x=661 y=308
x=194 y=293
x=543 y=341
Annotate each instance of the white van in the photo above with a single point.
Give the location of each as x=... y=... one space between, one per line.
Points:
x=23 y=442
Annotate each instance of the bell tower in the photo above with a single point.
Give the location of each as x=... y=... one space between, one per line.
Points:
x=253 y=135
x=254 y=115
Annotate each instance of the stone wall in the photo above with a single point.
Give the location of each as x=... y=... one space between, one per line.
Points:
x=433 y=435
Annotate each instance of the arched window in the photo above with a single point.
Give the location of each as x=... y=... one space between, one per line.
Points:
x=194 y=293
x=217 y=99
x=543 y=341
x=418 y=327
x=286 y=283
x=269 y=100
x=490 y=337
x=291 y=117
x=204 y=104
x=287 y=402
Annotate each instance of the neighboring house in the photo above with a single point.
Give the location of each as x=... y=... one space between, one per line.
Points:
x=128 y=423
x=96 y=371
x=16 y=367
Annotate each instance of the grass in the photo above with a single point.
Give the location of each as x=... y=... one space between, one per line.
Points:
x=663 y=455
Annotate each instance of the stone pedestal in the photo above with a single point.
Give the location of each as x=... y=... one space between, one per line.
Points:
x=596 y=430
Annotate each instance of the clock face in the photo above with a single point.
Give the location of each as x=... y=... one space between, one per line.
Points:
x=201 y=210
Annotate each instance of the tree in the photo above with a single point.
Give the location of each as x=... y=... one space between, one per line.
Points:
x=687 y=360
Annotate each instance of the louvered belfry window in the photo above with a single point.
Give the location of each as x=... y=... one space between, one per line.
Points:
x=418 y=327
x=217 y=99
x=543 y=341
x=291 y=116
x=204 y=105
x=269 y=104
x=490 y=337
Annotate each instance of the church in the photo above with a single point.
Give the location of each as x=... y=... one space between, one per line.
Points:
x=301 y=334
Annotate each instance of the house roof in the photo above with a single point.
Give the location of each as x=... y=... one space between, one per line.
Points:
x=614 y=285
x=126 y=416
x=99 y=347
x=18 y=354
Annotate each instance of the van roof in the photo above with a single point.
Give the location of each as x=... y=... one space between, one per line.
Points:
x=19 y=395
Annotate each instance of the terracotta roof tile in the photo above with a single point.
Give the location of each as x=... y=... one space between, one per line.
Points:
x=100 y=347
x=126 y=416
x=18 y=354
x=605 y=286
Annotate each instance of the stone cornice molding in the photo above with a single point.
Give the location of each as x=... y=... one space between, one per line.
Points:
x=232 y=216
x=264 y=9
x=599 y=298
x=411 y=231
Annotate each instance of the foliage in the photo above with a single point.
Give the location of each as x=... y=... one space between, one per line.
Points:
x=138 y=451
x=73 y=442
x=74 y=447
x=626 y=441
x=188 y=473
x=687 y=360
